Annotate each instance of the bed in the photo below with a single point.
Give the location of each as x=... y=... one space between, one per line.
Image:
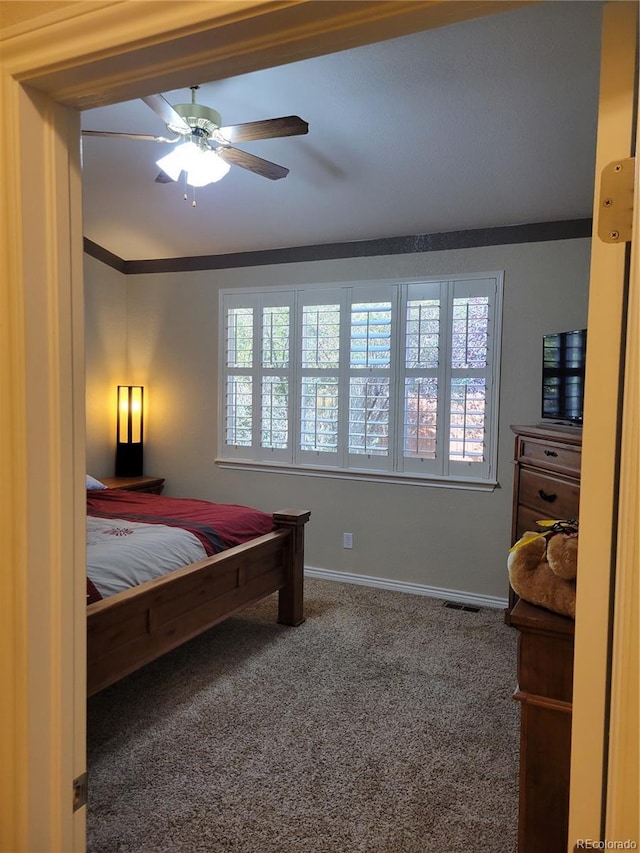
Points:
x=129 y=628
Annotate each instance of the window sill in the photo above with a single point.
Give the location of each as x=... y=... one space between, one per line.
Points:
x=364 y=476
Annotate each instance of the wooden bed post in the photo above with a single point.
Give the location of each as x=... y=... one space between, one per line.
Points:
x=291 y=596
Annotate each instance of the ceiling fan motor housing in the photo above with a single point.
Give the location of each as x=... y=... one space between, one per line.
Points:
x=197 y=116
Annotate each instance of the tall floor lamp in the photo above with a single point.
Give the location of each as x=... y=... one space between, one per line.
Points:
x=130 y=429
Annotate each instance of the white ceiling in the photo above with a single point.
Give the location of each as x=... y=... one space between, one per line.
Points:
x=487 y=123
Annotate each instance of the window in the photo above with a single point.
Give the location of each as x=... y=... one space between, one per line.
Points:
x=395 y=379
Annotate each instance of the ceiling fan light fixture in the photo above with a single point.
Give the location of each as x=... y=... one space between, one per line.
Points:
x=202 y=165
x=175 y=161
x=206 y=168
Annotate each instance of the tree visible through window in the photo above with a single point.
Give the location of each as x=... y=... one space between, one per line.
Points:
x=395 y=378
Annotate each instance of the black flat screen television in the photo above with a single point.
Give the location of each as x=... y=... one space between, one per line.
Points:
x=563 y=370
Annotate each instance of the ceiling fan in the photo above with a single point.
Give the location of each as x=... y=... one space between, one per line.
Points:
x=204 y=151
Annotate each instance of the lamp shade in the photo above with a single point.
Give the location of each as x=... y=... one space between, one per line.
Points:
x=202 y=165
x=130 y=431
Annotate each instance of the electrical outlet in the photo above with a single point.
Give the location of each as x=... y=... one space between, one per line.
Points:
x=347 y=540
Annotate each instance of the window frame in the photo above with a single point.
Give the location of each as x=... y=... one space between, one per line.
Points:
x=394 y=467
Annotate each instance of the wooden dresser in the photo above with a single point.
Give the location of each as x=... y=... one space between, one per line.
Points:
x=545 y=683
x=546 y=485
x=546 y=482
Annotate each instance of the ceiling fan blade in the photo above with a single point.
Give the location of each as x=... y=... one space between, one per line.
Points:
x=251 y=162
x=268 y=128
x=163 y=178
x=145 y=137
x=163 y=108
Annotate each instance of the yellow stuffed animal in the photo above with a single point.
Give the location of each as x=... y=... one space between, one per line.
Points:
x=543 y=567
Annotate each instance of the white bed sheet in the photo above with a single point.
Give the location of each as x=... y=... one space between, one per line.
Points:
x=122 y=554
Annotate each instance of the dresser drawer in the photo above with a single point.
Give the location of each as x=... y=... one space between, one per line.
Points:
x=549 y=496
x=545 y=653
x=527 y=521
x=550 y=455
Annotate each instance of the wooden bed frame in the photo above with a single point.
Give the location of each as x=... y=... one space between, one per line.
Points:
x=132 y=628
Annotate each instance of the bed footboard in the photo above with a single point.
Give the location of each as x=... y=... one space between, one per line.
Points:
x=133 y=628
x=291 y=596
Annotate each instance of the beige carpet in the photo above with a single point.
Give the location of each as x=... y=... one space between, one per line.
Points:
x=383 y=724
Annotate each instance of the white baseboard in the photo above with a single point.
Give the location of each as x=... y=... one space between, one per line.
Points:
x=405 y=586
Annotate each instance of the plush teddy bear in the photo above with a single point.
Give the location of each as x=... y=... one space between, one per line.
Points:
x=542 y=569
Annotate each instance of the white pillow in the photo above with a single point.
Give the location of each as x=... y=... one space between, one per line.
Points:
x=92 y=483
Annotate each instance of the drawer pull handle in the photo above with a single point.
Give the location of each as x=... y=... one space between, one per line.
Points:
x=550 y=453
x=547 y=496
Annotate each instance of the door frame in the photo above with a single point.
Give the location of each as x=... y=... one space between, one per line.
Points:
x=77 y=56
x=603 y=698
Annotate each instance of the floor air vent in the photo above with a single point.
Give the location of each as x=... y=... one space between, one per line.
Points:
x=457 y=605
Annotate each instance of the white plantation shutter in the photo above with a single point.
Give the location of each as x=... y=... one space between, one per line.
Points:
x=274 y=368
x=275 y=377
x=257 y=371
x=395 y=379
x=320 y=356
x=422 y=378
x=237 y=407
x=469 y=430
x=369 y=426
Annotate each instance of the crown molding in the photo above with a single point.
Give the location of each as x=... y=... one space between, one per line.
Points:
x=537 y=232
x=98 y=252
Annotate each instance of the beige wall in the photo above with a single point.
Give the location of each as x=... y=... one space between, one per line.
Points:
x=445 y=538
x=105 y=359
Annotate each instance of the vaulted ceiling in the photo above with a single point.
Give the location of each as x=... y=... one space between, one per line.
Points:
x=481 y=124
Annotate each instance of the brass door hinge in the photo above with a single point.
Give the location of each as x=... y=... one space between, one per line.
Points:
x=80 y=792
x=615 y=218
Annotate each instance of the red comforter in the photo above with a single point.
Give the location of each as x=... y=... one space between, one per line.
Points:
x=217 y=526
